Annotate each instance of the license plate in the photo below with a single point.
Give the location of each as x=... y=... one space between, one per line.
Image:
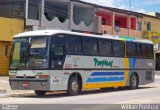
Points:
x=25 y=84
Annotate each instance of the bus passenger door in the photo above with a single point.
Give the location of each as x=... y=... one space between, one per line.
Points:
x=57 y=52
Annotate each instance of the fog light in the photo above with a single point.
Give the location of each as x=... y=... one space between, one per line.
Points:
x=11 y=83
x=42 y=84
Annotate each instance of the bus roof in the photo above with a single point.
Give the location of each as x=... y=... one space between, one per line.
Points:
x=52 y=32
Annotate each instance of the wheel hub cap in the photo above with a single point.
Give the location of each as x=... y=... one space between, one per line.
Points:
x=134 y=81
x=74 y=86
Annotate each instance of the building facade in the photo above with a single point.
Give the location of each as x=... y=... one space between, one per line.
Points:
x=79 y=15
x=151 y=31
x=68 y=15
x=11 y=22
x=122 y=23
x=8 y=28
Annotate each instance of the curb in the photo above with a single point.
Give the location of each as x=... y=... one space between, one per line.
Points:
x=21 y=94
x=157 y=72
x=15 y=94
x=3 y=92
x=2 y=95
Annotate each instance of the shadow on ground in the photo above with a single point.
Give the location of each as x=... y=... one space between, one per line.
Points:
x=58 y=94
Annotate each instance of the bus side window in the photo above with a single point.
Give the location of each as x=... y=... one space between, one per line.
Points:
x=105 y=48
x=90 y=46
x=118 y=48
x=131 y=49
x=73 y=45
x=150 y=50
x=144 y=50
x=139 y=50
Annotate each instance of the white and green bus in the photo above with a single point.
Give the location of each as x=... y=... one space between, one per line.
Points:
x=55 y=60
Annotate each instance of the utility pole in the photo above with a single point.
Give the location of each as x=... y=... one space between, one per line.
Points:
x=130 y=5
x=129 y=17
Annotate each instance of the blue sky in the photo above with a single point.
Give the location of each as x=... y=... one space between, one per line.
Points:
x=143 y=6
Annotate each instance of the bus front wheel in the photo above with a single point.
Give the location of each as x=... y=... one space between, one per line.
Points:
x=73 y=86
x=133 y=81
x=40 y=93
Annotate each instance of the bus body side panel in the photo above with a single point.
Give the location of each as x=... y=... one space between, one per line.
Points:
x=144 y=68
x=103 y=79
x=99 y=72
x=59 y=78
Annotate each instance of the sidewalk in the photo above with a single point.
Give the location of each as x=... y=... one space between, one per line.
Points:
x=157 y=72
x=5 y=89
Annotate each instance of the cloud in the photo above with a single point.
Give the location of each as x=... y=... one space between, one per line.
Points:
x=122 y=7
x=136 y=5
x=152 y=2
x=141 y=11
x=109 y=3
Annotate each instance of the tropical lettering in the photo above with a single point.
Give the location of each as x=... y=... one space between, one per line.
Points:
x=103 y=63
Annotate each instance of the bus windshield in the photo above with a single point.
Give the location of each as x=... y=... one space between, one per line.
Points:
x=29 y=53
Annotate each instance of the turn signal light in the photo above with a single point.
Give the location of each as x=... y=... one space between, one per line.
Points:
x=43 y=76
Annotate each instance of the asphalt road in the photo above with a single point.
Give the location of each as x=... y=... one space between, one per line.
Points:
x=148 y=94
x=145 y=94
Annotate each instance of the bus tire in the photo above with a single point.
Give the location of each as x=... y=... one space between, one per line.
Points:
x=40 y=93
x=133 y=84
x=73 y=86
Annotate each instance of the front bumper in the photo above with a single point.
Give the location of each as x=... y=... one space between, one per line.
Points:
x=34 y=84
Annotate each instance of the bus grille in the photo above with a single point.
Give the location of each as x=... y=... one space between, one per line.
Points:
x=25 y=77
